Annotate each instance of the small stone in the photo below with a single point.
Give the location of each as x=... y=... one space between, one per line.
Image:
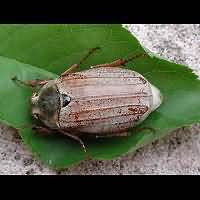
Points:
x=59 y=172
x=3 y=154
x=30 y=172
x=17 y=156
x=27 y=161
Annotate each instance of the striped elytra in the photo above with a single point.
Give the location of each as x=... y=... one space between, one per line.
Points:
x=104 y=101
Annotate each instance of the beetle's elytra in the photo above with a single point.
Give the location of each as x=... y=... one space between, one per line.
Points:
x=103 y=101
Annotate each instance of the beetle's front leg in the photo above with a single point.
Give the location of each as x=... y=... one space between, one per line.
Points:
x=30 y=83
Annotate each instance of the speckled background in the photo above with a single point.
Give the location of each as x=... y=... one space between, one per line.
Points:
x=177 y=153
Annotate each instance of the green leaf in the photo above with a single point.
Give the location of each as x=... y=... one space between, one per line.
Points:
x=56 y=47
x=53 y=48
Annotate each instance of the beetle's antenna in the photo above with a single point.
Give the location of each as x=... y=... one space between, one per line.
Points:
x=26 y=83
x=30 y=83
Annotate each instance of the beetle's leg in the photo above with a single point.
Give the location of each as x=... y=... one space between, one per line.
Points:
x=71 y=69
x=75 y=138
x=47 y=131
x=120 y=134
x=30 y=83
x=123 y=134
x=43 y=130
x=120 y=62
x=91 y=51
x=74 y=67
x=153 y=130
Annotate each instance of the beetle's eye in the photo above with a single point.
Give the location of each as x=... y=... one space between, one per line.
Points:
x=35 y=94
x=66 y=100
x=36 y=115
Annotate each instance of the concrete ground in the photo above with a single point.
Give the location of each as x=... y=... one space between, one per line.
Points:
x=177 y=153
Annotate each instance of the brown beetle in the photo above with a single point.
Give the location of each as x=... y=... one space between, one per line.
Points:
x=104 y=101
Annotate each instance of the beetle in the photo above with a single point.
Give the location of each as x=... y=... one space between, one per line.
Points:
x=103 y=101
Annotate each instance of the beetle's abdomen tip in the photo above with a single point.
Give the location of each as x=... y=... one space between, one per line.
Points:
x=157 y=97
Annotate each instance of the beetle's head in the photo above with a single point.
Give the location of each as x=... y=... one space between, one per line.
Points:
x=46 y=104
